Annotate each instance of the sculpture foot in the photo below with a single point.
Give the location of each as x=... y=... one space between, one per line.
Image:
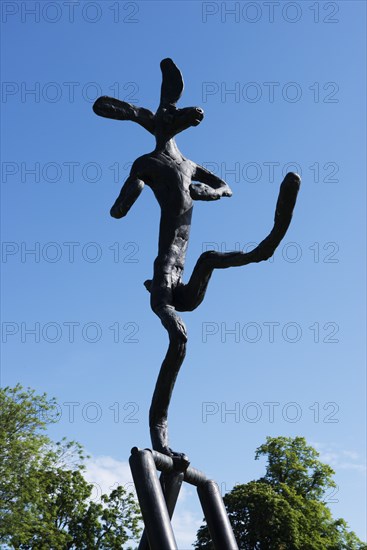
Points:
x=180 y=460
x=159 y=439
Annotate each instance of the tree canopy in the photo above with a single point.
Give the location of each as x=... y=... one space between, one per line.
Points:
x=44 y=499
x=285 y=510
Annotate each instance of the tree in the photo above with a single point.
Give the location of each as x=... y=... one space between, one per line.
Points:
x=44 y=499
x=285 y=510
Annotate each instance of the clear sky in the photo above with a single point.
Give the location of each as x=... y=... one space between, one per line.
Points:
x=276 y=348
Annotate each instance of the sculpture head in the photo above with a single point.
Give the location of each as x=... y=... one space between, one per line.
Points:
x=168 y=120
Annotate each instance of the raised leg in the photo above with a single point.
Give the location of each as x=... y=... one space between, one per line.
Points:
x=188 y=297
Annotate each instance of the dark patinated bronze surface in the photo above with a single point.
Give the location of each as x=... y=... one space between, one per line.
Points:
x=171 y=176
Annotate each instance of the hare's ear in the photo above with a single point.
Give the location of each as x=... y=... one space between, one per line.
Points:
x=110 y=107
x=172 y=82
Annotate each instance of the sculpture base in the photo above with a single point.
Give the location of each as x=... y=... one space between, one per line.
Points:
x=158 y=497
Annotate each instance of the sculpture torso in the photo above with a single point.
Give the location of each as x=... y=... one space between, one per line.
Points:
x=169 y=175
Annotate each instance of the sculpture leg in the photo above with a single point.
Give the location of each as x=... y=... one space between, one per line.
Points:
x=158 y=412
x=169 y=370
x=188 y=297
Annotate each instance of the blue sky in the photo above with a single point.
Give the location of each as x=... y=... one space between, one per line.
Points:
x=280 y=344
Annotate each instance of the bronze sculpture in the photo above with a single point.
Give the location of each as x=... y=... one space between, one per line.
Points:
x=170 y=175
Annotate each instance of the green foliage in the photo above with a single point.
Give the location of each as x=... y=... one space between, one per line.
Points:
x=284 y=510
x=293 y=463
x=44 y=498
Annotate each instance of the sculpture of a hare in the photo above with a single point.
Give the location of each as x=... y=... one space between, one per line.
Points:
x=170 y=175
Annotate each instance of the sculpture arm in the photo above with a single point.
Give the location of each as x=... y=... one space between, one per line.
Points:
x=130 y=191
x=210 y=188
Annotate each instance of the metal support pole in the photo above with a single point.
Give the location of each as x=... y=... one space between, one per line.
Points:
x=152 y=503
x=216 y=516
x=171 y=484
x=165 y=463
x=157 y=499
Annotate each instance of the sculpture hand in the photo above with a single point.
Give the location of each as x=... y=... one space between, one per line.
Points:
x=202 y=192
x=130 y=191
